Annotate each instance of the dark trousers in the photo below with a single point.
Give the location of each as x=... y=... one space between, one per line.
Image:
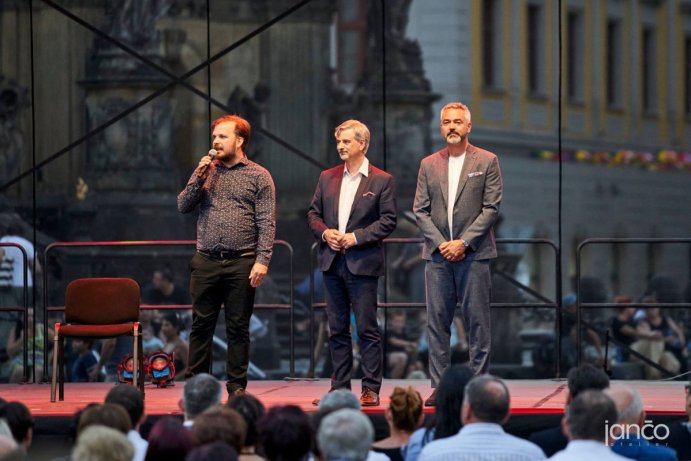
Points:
x=345 y=290
x=214 y=282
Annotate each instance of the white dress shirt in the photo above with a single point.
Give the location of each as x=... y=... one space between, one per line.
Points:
x=455 y=168
x=140 y=445
x=587 y=450
x=348 y=190
x=481 y=442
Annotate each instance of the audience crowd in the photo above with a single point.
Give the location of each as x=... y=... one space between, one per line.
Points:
x=469 y=424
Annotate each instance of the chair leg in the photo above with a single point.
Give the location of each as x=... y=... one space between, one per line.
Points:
x=55 y=367
x=61 y=369
x=141 y=365
x=135 y=359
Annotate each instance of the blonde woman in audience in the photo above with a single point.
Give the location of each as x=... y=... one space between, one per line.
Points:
x=403 y=416
x=101 y=443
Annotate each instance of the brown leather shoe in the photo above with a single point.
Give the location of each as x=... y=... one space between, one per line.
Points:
x=432 y=399
x=369 y=398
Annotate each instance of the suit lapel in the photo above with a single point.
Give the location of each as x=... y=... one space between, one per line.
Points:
x=443 y=170
x=361 y=189
x=335 y=193
x=468 y=165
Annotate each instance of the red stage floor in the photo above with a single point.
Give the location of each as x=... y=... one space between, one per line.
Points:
x=527 y=396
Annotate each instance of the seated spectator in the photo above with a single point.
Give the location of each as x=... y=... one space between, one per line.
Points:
x=20 y=421
x=579 y=379
x=403 y=416
x=163 y=290
x=220 y=424
x=150 y=340
x=630 y=443
x=131 y=400
x=251 y=410
x=585 y=425
x=624 y=328
x=446 y=421
x=680 y=431
x=345 y=435
x=664 y=343
x=101 y=443
x=15 y=348
x=174 y=344
x=592 y=346
x=201 y=392
x=108 y=414
x=86 y=359
x=401 y=349
x=286 y=434
x=169 y=440
x=485 y=409
x=213 y=451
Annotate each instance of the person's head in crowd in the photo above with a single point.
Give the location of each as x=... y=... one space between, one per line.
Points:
x=587 y=416
x=486 y=401
x=201 y=392
x=251 y=410
x=345 y=435
x=163 y=280
x=584 y=377
x=81 y=346
x=285 y=433
x=21 y=423
x=340 y=398
x=405 y=409
x=450 y=392
x=223 y=424
x=169 y=440
x=108 y=414
x=171 y=326
x=624 y=310
x=102 y=443
x=215 y=451
x=129 y=398
x=629 y=405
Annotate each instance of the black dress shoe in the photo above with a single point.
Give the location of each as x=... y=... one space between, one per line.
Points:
x=432 y=399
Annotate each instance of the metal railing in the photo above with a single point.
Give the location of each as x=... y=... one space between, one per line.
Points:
x=546 y=302
x=25 y=311
x=579 y=304
x=187 y=243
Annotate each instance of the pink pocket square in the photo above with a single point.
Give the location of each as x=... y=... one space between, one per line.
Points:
x=369 y=194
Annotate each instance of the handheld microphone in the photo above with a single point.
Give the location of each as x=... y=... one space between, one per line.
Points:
x=212 y=154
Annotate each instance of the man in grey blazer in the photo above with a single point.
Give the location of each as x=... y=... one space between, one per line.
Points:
x=353 y=209
x=456 y=204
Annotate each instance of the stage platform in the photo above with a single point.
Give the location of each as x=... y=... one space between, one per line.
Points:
x=528 y=397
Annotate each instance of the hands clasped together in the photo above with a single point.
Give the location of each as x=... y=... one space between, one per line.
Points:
x=453 y=250
x=339 y=241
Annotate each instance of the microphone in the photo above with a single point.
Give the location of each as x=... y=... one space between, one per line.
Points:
x=212 y=154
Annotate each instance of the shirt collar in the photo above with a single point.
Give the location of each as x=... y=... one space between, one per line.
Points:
x=364 y=168
x=244 y=160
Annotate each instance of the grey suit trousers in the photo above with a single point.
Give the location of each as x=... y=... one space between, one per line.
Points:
x=468 y=283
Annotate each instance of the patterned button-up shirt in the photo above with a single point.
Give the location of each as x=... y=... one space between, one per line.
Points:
x=237 y=208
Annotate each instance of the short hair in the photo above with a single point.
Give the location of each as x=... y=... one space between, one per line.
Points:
x=202 y=391
x=214 y=450
x=338 y=399
x=628 y=402
x=129 y=398
x=455 y=105
x=359 y=129
x=174 y=319
x=19 y=419
x=406 y=407
x=584 y=377
x=251 y=410
x=224 y=424
x=109 y=415
x=488 y=397
x=242 y=127
x=165 y=274
x=169 y=440
x=102 y=443
x=345 y=434
x=589 y=414
x=286 y=433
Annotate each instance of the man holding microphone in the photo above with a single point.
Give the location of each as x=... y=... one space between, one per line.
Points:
x=235 y=235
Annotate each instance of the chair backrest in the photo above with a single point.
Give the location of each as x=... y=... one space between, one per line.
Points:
x=102 y=301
